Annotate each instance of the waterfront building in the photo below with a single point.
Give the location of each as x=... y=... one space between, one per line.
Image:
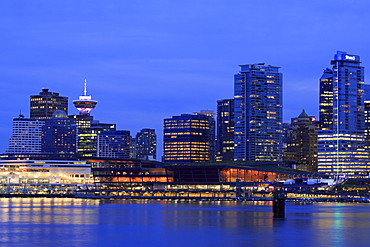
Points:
x=225 y=130
x=187 y=139
x=341 y=144
x=135 y=176
x=301 y=142
x=113 y=144
x=258 y=113
x=43 y=105
x=59 y=134
x=88 y=138
x=26 y=135
x=146 y=144
x=44 y=171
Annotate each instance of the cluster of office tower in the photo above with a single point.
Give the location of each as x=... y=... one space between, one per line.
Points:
x=250 y=127
x=50 y=133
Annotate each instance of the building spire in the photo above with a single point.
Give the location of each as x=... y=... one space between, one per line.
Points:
x=85 y=88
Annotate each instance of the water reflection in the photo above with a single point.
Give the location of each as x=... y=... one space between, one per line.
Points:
x=80 y=222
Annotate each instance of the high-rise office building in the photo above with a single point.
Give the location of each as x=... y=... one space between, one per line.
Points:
x=43 y=105
x=210 y=115
x=258 y=113
x=88 y=138
x=225 y=130
x=59 y=135
x=187 y=139
x=326 y=99
x=26 y=135
x=146 y=144
x=341 y=149
x=114 y=144
x=302 y=143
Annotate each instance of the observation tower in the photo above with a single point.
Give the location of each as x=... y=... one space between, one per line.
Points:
x=85 y=104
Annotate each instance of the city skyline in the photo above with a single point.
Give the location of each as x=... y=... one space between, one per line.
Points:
x=142 y=66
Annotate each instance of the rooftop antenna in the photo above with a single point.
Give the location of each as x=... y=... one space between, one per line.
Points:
x=85 y=88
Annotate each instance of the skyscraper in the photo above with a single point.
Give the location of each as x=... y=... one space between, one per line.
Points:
x=146 y=144
x=88 y=138
x=341 y=139
x=59 y=135
x=43 y=105
x=114 y=144
x=302 y=143
x=225 y=130
x=326 y=99
x=26 y=135
x=187 y=139
x=210 y=115
x=258 y=113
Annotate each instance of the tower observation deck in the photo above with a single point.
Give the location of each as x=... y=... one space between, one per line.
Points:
x=85 y=104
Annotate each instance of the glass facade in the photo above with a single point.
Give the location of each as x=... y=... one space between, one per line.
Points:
x=113 y=144
x=146 y=144
x=187 y=139
x=59 y=135
x=341 y=140
x=225 y=130
x=258 y=113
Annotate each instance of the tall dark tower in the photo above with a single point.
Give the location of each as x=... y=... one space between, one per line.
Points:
x=85 y=104
x=43 y=105
x=225 y=130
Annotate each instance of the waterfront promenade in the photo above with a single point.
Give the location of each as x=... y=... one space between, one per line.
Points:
x=293 y=193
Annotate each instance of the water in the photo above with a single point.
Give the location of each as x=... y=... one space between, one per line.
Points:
x=80 y=222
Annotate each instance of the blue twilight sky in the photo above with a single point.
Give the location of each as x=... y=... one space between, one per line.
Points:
x=149 y=60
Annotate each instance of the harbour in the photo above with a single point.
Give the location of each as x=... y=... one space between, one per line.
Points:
x=86 y=222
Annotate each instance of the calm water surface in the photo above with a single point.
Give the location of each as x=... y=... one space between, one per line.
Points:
x=80 y=222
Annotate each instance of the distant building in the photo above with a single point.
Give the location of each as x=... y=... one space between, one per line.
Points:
x=258 y=113
x=26 y=135
x=212 y=131
x=146 y=144
x=187 y=139
x=113 y=144
x=326 y=99
x=43 y=105
x=85 y=104
x=59 y=134
x=133 y=151
x=88 y=138
x=225 y=130
x=341 y=146
x=302 y=143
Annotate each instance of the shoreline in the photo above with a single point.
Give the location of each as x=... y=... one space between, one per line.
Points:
x=239 y=199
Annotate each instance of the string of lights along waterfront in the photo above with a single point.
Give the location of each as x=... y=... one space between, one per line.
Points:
x=245 y=129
